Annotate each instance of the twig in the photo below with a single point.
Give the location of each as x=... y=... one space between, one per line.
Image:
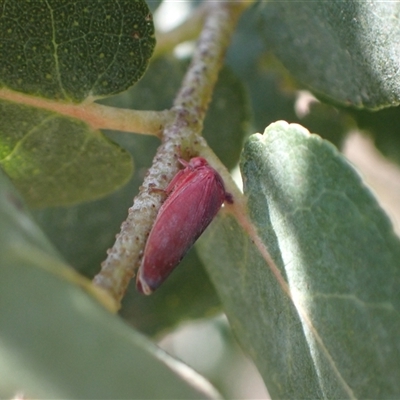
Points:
x=179 y=136
x=96 y=115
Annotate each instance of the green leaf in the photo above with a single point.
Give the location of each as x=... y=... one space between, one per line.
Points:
x=344 y=50
x=55 y=160
x=57 y=341
x=67 y=51
x=274 y=95
x=336 y=252
x=72 y=50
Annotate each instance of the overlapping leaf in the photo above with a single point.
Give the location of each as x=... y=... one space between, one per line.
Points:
x=57 y=341
x=71 y=52
x=54 y=160
x=330 y=327
x=345 y=50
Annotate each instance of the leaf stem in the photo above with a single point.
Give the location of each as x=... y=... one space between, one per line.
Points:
x=96 y=115
x=181 y=136
x=119 y=119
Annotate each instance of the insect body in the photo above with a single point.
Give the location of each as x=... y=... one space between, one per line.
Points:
x=195 y=196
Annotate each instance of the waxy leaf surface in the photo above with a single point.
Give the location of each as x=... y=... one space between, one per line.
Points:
x=71 y=50
x=344 y=50
x=66 y=51
x=57 y=341
x=328 y=315
x=55 y=160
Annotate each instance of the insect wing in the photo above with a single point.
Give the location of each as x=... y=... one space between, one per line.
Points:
x=197 y=196
x=187 y=174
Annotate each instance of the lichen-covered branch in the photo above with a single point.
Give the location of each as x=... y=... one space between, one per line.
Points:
x=181 y=137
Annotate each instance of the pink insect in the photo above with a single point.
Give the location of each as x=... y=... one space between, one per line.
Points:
x=195 y=195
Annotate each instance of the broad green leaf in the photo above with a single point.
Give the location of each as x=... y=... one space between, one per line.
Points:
x=337 y=335
x=83 y=233
x=57 y=341
x=71 y=50
x=55 y=160
x=344 y=50
x=273 y=93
